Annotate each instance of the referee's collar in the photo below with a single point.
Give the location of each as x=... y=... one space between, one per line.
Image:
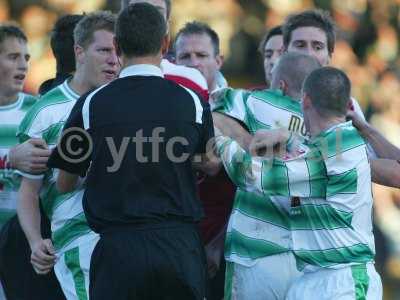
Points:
x=141 y=70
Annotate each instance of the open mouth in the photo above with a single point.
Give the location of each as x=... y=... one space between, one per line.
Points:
x=20 y=77
x=110 y=73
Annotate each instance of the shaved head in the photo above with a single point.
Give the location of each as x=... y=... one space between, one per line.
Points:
x=291 y=70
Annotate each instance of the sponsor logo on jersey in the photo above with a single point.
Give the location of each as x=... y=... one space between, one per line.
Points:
x=296 y=124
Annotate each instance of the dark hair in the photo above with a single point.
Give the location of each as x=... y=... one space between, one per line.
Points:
x=62 y=42
x=329 y=90
x=196 y=27
x=277 y=30
x=310 y=18
x=125 y=3
x=86 y=27
x=139 y=30
x=11 y=30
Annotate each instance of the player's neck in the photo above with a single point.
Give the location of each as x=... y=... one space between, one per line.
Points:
x=79 y=84
x=320 y=124
x=294 y=95
x=8 y=99
x=143 y=60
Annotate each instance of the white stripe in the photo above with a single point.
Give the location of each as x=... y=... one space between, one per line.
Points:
x=326 y=239
x=86 y=106
x=298 y=183
x=29 y=176
x=197 y=103
x=65 y=278
x=266 y=113
x=66 y=211
x=344 y=162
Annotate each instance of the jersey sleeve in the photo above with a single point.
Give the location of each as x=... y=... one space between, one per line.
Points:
x=303 y=176
x=231 y=102
x=73 y=152
x=35 y=124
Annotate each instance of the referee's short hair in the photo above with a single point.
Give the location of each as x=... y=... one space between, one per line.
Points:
x=125 y=3
x=329 y=91
x=140 y=30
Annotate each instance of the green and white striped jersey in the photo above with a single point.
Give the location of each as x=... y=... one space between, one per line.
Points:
x=259 y=225
x=329 y=181
x=45 y=120
x=10 y=118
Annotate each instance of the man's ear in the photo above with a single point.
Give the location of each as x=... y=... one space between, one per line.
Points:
x=165 y=44
x=79 y=53
x=220 y=60
x=283 y=86
x=306 y=101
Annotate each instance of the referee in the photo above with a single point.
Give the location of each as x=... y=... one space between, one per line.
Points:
x=140 y=190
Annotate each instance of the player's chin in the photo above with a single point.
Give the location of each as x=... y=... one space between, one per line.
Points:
x=16 y=88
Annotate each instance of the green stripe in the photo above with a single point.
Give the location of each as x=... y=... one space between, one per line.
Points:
x=53 y=97
x=246 y=247
x=261 y=208
x=73 y=264
x=318 y=181
x=238 y=165
x=73 y=228
x=52 y=133
x=275 y=179
x=361 y=281
x=29 y=101
x=228 y=100
x=8 y=135
x=228 y=280
x=318 y=217
x=10 y=179
x=345 y=183
x=339 y=140
x=51 y=198
x=5 y=215
x=358 y=253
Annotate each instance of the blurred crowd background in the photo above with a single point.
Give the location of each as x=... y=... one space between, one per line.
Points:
x=367 y=49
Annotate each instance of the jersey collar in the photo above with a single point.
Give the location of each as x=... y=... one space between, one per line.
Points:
x=141 y=70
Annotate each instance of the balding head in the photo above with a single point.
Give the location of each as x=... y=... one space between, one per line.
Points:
x=290 y=71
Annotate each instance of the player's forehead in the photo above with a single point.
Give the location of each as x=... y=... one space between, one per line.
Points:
x=13 y=44
x=274 y=43
x=159 y=4
x=308 y=34
x=103 y=37
x=194 y=42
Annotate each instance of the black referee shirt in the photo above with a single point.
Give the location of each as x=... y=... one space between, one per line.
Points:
x=144 y=131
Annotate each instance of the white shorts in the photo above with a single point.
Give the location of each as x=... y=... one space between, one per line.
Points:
x=72 y=269
x=270 y=278
x=360 y=282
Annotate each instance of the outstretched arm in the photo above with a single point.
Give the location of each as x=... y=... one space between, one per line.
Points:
x=299 y=176
x=382 y=147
